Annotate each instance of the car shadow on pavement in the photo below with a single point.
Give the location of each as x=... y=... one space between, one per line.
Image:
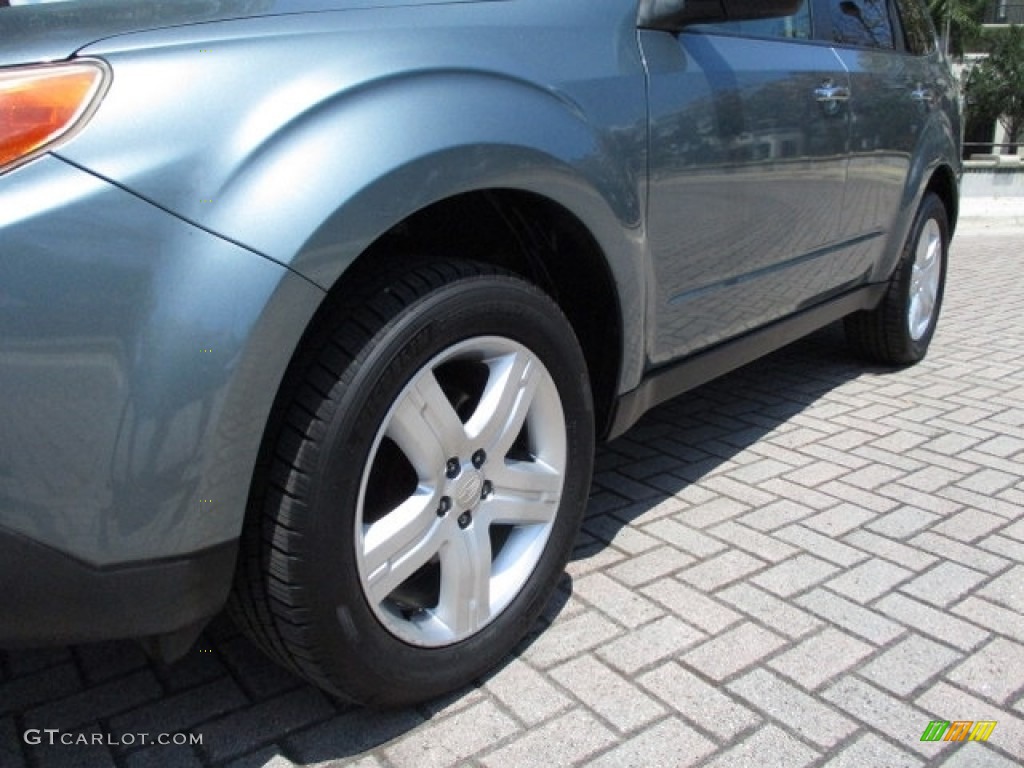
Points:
x=248 y=710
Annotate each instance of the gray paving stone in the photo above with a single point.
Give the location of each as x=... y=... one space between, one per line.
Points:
x=961 y=553
x=944 y=584
x=871 y=579
x=994 y=672
x=1007 y=590
x=969 y=525
x=449 y=742
x=776 y=515
x=869 y=750
x=613 y=531
x=1001 y=545
x=684 y=537
x=839 y=520
x=932 y=622
x=850 y=616
x=893 y=551
x=976 y=755
x=569 y=638
x=794 y=575
x=607 y=693
x=624 y=605
x=992 y=616
x=526 y=693
x=668 y=744
x=780 y=615
x=693 y=606
x=568 y=740
x=801 y=713
x=887 y=714
x=648 y=645
x=756 y=543
x=721 y=569
x=988 y=481
x=702 y=704
x=712 y=512
x=913 y=662
x=770 y=747
x=733 y=650
x=904 y=521
x=822 y=546
x=821 y=657
x=649 y=566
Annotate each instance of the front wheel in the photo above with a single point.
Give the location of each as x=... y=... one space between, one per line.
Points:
x=426 y=489
x=899 y=330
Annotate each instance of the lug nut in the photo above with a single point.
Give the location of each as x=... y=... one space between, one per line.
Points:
x=464 y=520
x=487 y=489
x=479 y=457
x=444 y=506
x=452 y=468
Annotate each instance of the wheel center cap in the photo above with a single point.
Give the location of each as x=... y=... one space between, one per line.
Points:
x=468 y=487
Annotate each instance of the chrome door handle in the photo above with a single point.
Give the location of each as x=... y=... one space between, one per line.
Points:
x=828 y=91
x=924 y=95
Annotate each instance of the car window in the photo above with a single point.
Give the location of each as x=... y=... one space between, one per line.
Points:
x=917 y=26
x=863 y=23
x=797 y=26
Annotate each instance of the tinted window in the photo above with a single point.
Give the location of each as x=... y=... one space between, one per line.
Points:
x=917 y=26
x=797 y=26
x=864 y=23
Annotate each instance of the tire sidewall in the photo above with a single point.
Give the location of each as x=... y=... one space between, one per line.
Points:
x=354 y=646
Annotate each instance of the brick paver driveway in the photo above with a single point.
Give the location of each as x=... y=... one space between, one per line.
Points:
x=802 y=564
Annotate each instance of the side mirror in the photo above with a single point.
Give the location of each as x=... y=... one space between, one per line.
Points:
x=674 y=15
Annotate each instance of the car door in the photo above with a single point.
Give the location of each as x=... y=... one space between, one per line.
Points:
x=894 y=88
x=749 y=135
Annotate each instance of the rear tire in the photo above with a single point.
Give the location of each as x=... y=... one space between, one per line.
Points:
x=899 y=330
x=425 y=489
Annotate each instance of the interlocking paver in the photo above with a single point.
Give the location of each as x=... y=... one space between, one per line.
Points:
x=868 y=580
x=869 y=750
x=647 y=645
x=668 y=744
x=568 y=740
x=804 y=537
x=821 y=657
x=778 y=614
x=994 y=672
x=910 y=664
x=770 y=747
x=795 y=575
x=734 y=650
x=802 y=713
x=607 y=693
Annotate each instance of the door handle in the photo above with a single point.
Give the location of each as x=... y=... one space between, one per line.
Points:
x=829 y=91
x=925 y=96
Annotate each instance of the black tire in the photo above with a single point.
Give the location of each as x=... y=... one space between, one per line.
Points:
x=340 y=489
x=899 y=330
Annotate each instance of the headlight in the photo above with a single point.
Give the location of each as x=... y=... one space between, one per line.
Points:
x=41 y=106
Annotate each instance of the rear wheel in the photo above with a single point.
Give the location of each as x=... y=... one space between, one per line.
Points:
x=899 y=330
x=425 y=489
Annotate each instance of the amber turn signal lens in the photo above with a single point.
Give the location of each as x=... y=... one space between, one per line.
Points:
x=41 y=105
